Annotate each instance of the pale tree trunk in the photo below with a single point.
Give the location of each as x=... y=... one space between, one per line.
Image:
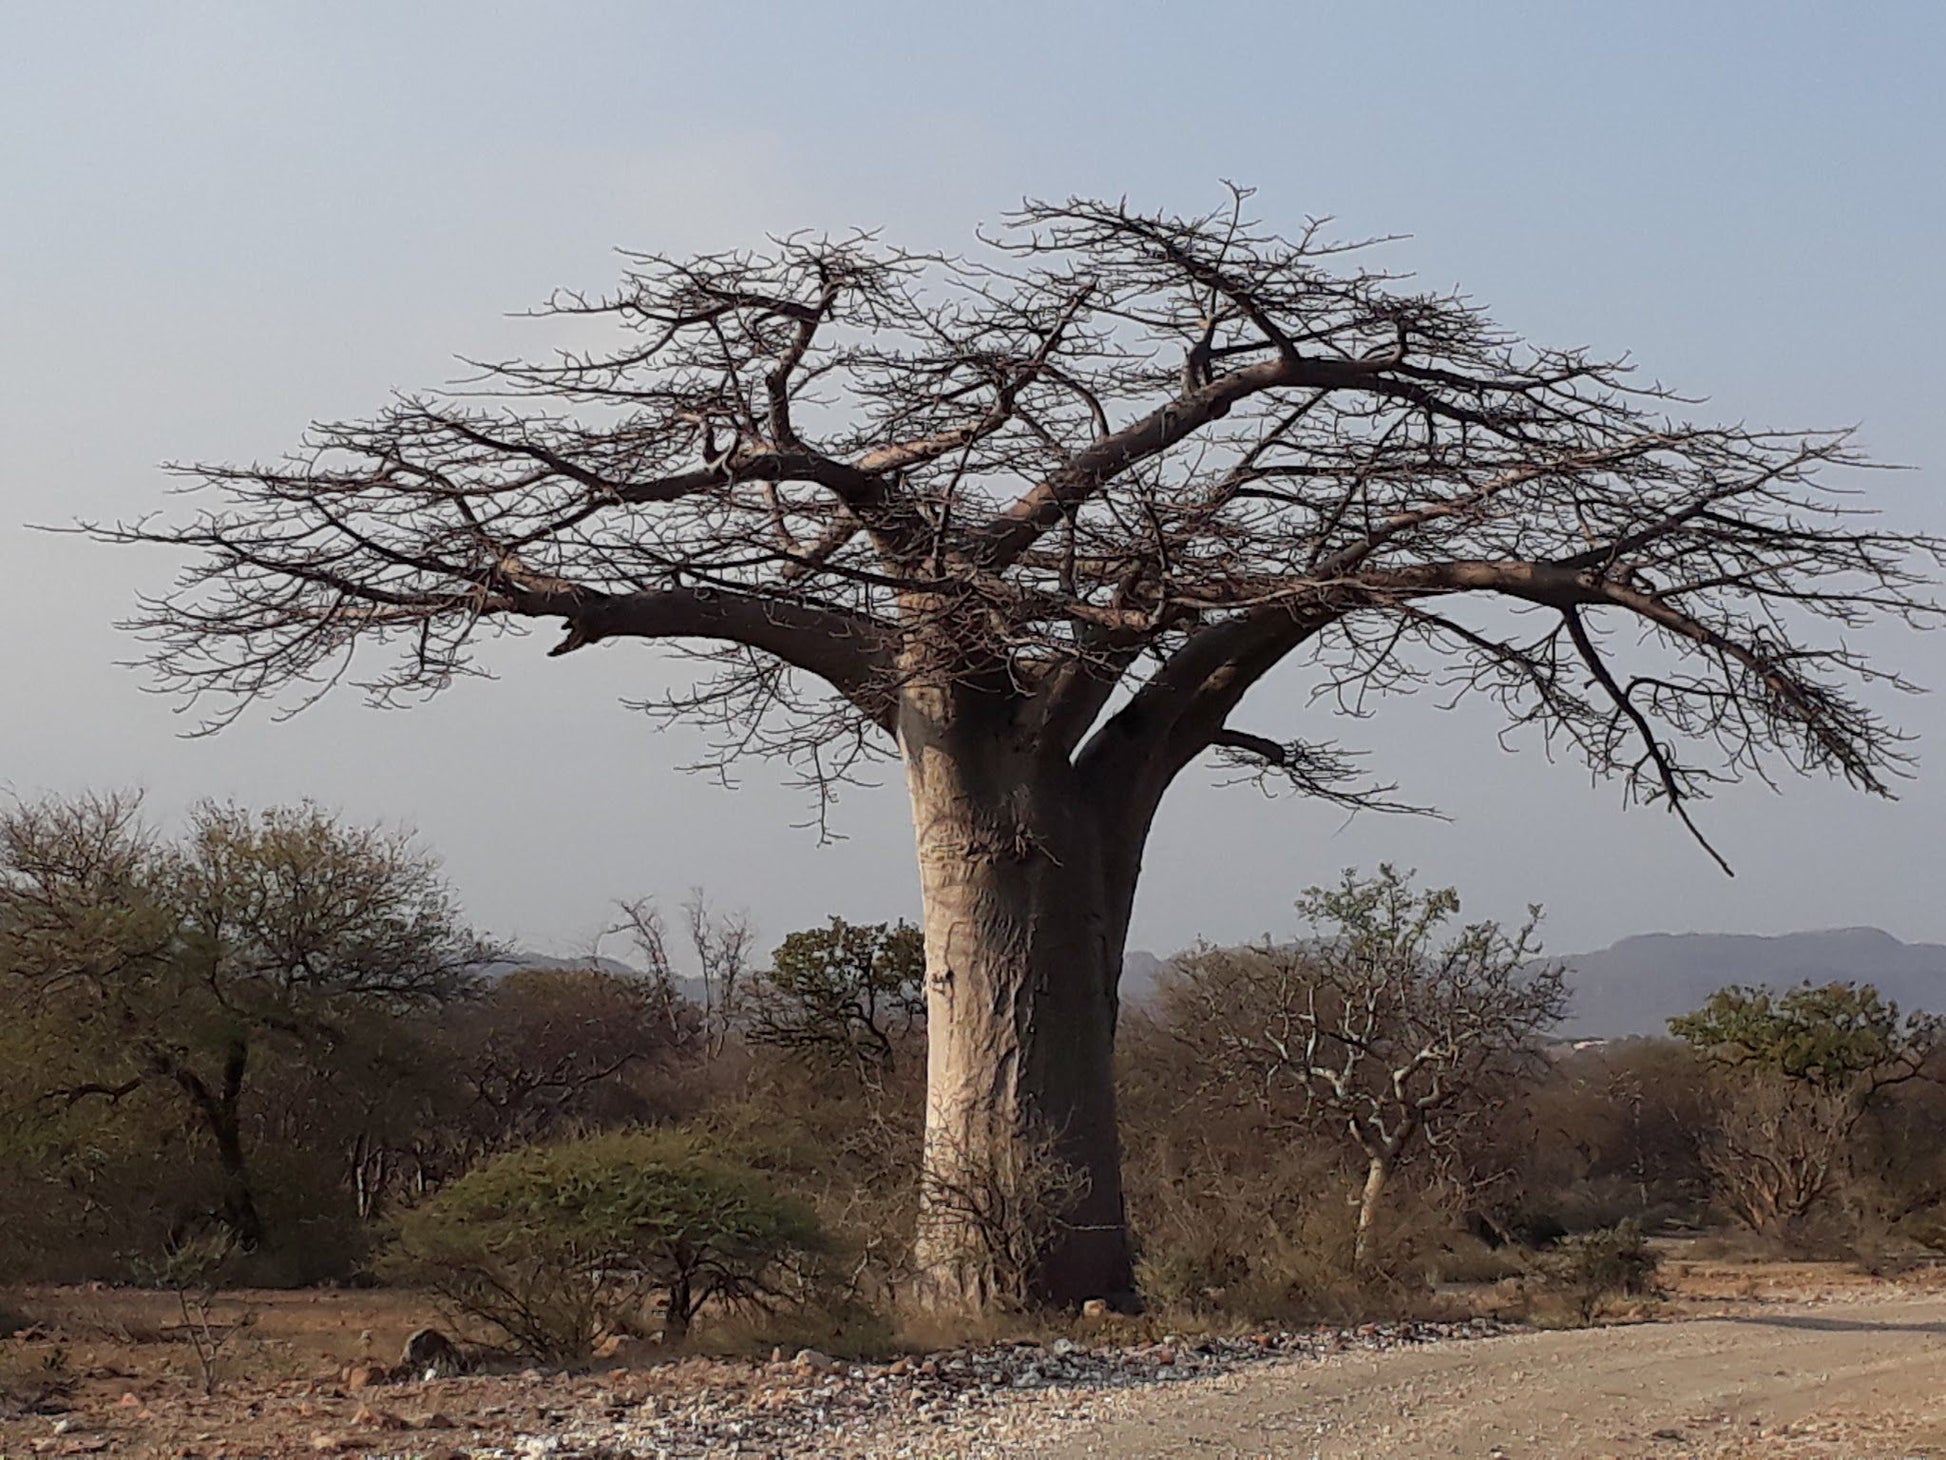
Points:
x=1027 y=897
x=1377 y=1173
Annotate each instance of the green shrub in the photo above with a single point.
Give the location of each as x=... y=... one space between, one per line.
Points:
x=558 y=1245
x=1589 y=1268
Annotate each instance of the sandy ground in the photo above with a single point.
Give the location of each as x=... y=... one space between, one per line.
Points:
x=1856 y=1377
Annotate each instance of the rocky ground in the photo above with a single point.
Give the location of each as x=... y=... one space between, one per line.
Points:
x=994 y=1400
x=1793 y=1360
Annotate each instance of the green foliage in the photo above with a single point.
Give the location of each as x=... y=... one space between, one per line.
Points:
x=148 y=973
x=848 y=993
x=1829 y=1035
x=557 y=1245
x=1590 y=1268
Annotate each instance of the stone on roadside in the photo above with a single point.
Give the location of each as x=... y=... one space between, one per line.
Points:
x=433 y=1354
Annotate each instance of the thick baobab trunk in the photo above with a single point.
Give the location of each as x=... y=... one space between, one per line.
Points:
x=1027 y=900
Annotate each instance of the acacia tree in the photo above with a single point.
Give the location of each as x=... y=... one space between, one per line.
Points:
x=1380 y=1025
x=1037 y=520
x=1800 y=1071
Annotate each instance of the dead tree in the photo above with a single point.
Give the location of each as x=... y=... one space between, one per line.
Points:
x=722 y=946
x=1374 y=1027
x=1036 y=520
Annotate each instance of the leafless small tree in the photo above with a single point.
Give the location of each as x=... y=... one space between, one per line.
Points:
x=1373 y=1025
x=194 y=1271
x=721 y=946
x=543 y=1050
x=1037 y=519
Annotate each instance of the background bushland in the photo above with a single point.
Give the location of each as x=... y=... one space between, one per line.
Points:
x=277 y=1033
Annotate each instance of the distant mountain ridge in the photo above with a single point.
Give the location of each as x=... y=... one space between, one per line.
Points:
x=1637 y=985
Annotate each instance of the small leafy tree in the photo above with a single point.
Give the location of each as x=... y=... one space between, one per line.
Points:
x=848 y=993
x=557 y=1245
x=1800 y=1070
x=1378 y=1025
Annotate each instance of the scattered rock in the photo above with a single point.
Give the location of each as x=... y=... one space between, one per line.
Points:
x=433 y=1354
x=377 y=1419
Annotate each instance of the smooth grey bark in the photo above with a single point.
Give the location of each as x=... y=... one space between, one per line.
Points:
x=1028 y=880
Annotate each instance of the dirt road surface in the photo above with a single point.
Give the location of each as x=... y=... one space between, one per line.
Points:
x=1856 y=1379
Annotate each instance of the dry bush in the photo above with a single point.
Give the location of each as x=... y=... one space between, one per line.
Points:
x=1775 y=1148
x=1235 y=1215
x=1591 y=1268
x=1604 y=1134
x=847 y=1145
x=1005 y=1209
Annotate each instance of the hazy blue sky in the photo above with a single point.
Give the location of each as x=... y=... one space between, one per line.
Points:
x=220 y=220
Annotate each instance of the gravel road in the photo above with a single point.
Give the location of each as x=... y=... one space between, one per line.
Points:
x=1857 y=1374
x=1854 y=1379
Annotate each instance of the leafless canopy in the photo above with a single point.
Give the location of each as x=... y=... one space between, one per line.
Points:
x=1114 y=466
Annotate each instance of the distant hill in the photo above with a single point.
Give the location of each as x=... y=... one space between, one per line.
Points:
x=516 y=959
x=1139 y=971
x=1632 y=987
x=1636 y=985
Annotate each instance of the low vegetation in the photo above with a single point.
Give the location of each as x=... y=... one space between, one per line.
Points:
x=561 y=1246
x=1591 y=1268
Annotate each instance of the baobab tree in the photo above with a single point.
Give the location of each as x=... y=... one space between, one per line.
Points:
x=1037 y=520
